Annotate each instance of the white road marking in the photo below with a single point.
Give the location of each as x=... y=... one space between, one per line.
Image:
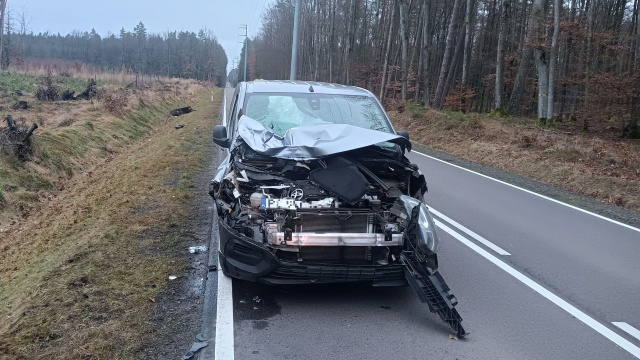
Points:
x=628 y=329
x=479 y=238
x=224 y=348
x=578 y=314
x=533 y=193
x=224 y=316
x=224 y=109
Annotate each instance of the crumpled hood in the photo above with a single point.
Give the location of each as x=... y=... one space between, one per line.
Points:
x=313 y=141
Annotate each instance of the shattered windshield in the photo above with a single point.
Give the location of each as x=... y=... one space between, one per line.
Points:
x=280 y=112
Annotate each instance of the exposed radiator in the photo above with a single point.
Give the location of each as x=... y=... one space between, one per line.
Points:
x=335 y=222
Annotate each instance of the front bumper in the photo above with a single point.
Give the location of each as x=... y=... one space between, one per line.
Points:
x=243 y=259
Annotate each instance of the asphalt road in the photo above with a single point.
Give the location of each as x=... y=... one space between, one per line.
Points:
x=535 y=279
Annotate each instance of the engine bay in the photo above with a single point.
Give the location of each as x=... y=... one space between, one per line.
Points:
x=294 y=207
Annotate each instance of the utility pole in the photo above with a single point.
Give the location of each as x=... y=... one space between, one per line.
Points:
x=294 y=48
x=246 y=50
x=236 y=67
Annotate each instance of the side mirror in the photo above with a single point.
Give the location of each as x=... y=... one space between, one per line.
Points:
x=220 y=136
x=404 y=134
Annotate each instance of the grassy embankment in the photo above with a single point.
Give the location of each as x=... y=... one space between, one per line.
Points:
x=89 y=226
x=597 y=165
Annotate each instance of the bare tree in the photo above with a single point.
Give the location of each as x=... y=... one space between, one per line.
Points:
x=3 y=10
x=467 y=40
x=386 y=54
x=553 y=58
x=499 y=90
x=426 y=43
x=541 y=57
x=525 y=59
x=402 y=5
x=449 y=50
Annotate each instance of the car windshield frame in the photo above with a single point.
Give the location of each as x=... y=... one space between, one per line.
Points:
x=323 y=108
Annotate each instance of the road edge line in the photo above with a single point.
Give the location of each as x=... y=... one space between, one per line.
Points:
x=465 y=230
x=224 y=316
x=533 y=193
x=572 y=310
x=224 y=343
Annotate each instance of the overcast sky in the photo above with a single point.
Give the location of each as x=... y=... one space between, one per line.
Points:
x=222 y=16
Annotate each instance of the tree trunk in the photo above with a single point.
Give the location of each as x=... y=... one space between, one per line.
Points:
x=499 y=90
x=467 y=41
x=331 y=41
x=316 y=47
x=448 y=55
x=426 y=42
x=585 y=125
x=402 y=5
x=637 y=36
x=541 y=58
x=454 y=65
x=567 y=57
x=553 y=60
x=386 y=54
x=523 y=68
x=3 y=8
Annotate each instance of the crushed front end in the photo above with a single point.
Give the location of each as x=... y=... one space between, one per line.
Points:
x=342 y=218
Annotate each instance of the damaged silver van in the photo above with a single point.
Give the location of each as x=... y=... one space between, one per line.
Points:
x=316 y=188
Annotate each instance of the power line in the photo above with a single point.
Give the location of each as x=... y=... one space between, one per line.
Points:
x=259 y=15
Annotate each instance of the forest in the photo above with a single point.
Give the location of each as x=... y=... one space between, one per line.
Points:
x=179 y=54
x=555 y=60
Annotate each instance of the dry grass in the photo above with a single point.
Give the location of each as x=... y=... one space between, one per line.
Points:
x=80 y=271
x=606 y=168
x=74 y=69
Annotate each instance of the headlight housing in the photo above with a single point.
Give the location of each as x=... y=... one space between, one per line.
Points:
x=421 y=224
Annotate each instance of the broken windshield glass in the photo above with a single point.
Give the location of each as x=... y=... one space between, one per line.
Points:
x=280 y=112
x=311 y=142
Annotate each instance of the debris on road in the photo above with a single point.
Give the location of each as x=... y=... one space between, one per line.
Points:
x=453 y=337
x=195 y=347
x=181 y=111
x=197 y=249
x=179 y=126
x=172 y=277
x=213 y=268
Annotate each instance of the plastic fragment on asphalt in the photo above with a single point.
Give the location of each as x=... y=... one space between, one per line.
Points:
x=172 y=277
x=213 y=268
x=197 y=249
x=195 y=347
x=179 y=126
